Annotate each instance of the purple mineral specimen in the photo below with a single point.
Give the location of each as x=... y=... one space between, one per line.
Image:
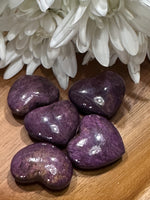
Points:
x=42 y=163
x=55 y=123
x=29 y=92
x=98 y=143
x=101 y=95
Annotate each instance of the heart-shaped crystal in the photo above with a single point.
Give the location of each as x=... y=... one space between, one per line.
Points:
x=55 y=123
x=101 y=95
x=42 y=163
x=30 y=92
x=98 y=143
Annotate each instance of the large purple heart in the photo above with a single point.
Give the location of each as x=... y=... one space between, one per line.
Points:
x=101 y=95
x=55 y=123
x=98 y=143
x=42 y=163
x=30 y=92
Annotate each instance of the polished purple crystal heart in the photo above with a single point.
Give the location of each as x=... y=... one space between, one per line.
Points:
x=29 y=92
x=42 y=163
x=101 y=95
x=98 y=143
x=55 y=123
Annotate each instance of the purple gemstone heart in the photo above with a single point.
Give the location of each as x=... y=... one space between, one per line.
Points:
x=55 y=123
x=98 y=143
x=42 y=163
x=101 y=95
x=30 y=92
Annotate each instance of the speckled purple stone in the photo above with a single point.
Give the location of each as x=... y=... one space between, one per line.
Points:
x=98 y=143
x=29 y=92
x=55 y=123
x=42 y=163
x=101 y=95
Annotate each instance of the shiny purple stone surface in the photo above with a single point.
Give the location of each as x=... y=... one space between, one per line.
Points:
x=42 y=163
x=29 y=92
x=98 y=143
x=55 y=123
x=101 y=95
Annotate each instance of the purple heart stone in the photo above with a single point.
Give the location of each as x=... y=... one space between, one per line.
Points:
x=30 y=92
x=42 y=163
x=55 y=123
x=101 y=95
x=98 y=143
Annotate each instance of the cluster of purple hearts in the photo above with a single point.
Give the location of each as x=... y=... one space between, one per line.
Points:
x=67 y=133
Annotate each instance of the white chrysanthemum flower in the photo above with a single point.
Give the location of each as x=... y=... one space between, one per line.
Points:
x=42 y=31
x=28 y=38
x=107 y=30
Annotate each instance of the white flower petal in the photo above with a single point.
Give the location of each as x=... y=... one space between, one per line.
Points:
x=63 y=31
x=148 y=49
x=31 y=28
x=123 y=56
x=48 y=23
x=36 y=15
x=141 y=21
x=113 y=58
x=3 y=4
x=142 y=25
x=85 y=35
x=83 y=30
x=34 y=41
x=146 y=2
x=69 y=63
x=140 y=57
x=14 y=3
x=36 y=50
x=114 y=35
x=11 y=55
x=2 y=64
x=14 y=31
x=2 y=47
x=28 y=7
x=57 y=18
x=6 y=26
x=52 y=53
x=44 y=58
x=44 y=4
x=79 y=13
x=99 y=7
x=51 y=56
x=62 y=78
x=27 y=57
x=68 y=38
x=134 y=71
x=100 y=47
x=128 y=36
x=32 y=66
x=21 y=43
x=134 y=68
x=88 y=56
x=13 y=68
x=44 y=62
